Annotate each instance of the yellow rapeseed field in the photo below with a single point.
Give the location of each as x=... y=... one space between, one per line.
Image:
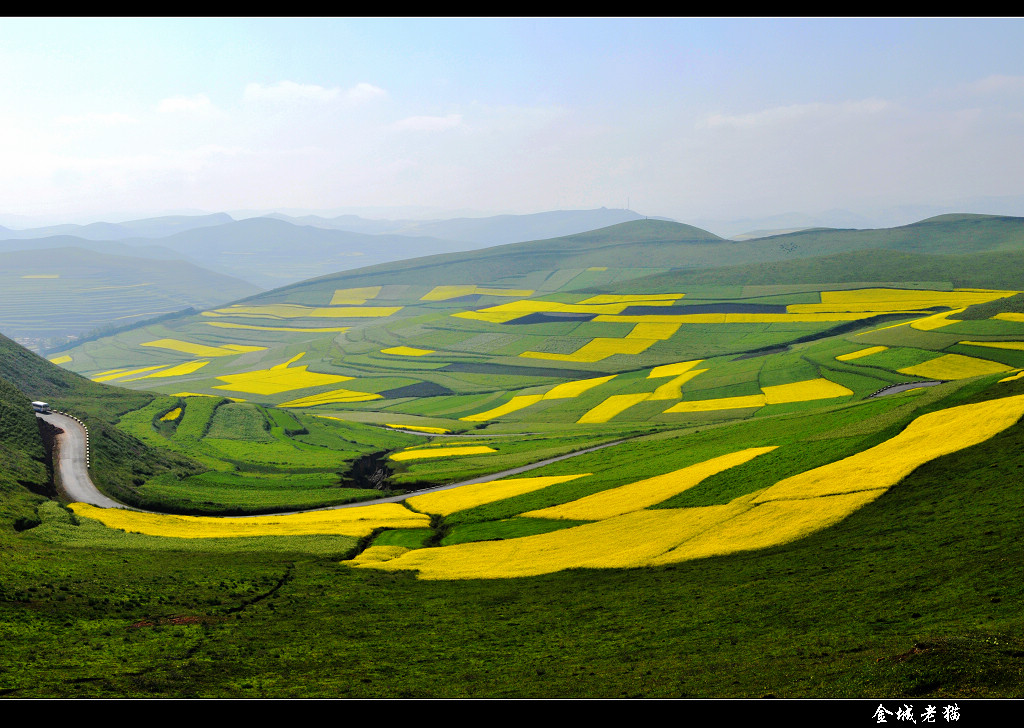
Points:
x=406 y=351
x=735 y=318
x=121 y=373
x=768 y=524
x=376 y=554
x=172 y=415
x=279 y=378
x=791 y=509
x=722 y=403
x=446 y=502
x=1014 y=345
x=612 y=406
x=516 y=403
x=442 y=452
x=861 y=353
x=1018 y=375
x=332 y=397
x=637 y=341
x=420 y=428
x=254 y=327
x=924 y=439
x=61 y=359
x=570 y=390
x=935 y=321
x=955 y=366
x=645 y=299
x=354 y=296
x=626 y=541
x=674 y=389
x=660 y=332
x=805 y=391
x=187 y=347
x=645 y=493
x=445 y=293
x=1009 y=316
x=295 y=310
x=898 y=299
x=178 y=370
x=673 y=370
x=596 y=350
x=356 y=522
x=505 y=312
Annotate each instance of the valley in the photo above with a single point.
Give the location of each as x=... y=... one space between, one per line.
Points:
x=793 y=460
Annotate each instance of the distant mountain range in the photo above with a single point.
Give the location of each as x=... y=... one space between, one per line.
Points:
x=658 y=244
x=495 y=230
x=52 y=284
x=277 y=250
x=154 y=227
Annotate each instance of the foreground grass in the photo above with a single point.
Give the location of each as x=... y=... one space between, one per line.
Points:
x=917 y=594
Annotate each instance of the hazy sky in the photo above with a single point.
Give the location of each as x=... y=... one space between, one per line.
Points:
x=682 y=118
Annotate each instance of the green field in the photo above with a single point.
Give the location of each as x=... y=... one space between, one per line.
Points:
x=672 y=562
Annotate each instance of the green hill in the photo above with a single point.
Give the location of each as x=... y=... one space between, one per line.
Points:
x=24 y=478
x=640 y=243
x=56 y=293
x=653 y=244
x=1001 y=269
x=757 y=522
x=118 y=458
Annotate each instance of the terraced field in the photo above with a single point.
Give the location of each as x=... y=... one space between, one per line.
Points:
x=535 y=372
x=763 y=489
x=464 y=356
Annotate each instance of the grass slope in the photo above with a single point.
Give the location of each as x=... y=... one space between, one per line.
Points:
x=915 y=595
x=120 y=462
x=1000 y=270
x=59 y=292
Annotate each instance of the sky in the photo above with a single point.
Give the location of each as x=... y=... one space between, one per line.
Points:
x=107 y=119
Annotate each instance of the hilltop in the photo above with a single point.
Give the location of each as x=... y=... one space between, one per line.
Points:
x=659 y=244
x=479 y=231
x=640 y=243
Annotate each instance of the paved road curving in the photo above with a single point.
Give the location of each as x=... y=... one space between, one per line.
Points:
x=74 y=481
x=69 y=463
x=473 y=481
x=73 y=475
x=897 y=388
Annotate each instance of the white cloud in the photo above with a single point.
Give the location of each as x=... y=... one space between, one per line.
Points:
x=997 y=84
x=198 y=104
x=289 y=91
x=428 y=123
x=794 y=112
x=363 y=92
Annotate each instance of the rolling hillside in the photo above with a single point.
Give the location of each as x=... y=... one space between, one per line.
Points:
x=58 y=293
x=794 y=479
